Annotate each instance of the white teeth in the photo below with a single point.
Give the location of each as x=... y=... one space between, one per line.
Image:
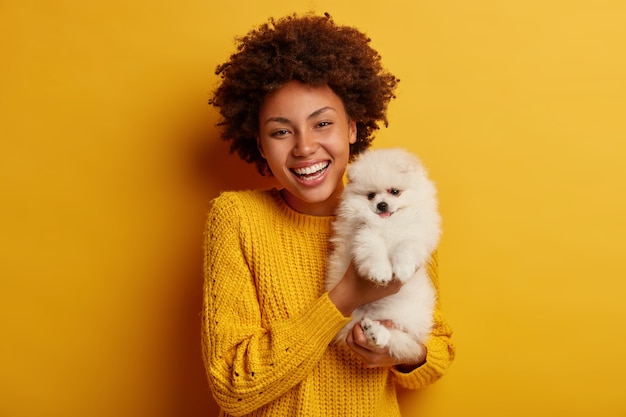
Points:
x=312 y=169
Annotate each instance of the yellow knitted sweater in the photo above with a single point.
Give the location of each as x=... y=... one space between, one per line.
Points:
x=268 y=325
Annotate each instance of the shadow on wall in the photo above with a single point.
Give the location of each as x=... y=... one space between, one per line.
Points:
x=215 y=169
x=209 y=169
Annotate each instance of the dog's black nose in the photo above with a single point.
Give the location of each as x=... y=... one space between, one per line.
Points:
x=382 y=207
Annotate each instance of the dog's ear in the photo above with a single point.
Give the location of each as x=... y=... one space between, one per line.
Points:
x=409 y=164
x=349 y=173
x=412 y=169
x=406 y=168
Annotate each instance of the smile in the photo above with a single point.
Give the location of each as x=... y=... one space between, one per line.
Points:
x=311 y=172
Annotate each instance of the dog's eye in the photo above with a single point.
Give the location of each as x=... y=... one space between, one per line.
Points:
x=394 y=191
x=371 y=196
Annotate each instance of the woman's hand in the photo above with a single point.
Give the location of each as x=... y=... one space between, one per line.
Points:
x=353 y=291
x=373 y=356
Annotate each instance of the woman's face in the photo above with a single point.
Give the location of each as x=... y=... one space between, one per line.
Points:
x=305 y=136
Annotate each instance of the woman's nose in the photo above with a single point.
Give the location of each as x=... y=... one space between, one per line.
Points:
x=305 y=144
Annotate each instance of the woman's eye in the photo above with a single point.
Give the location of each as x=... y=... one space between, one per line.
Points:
x=371 y=196
x=324 y=124
x=280 y=132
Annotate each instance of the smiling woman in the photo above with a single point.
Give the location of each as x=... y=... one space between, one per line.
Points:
x=289 y=106
x=305 y=136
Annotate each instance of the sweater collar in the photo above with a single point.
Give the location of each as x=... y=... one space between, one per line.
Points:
x=305 y=221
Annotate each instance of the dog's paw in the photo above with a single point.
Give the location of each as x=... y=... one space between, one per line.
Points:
x=379 y=273
x=377 y=334
x=404 y=270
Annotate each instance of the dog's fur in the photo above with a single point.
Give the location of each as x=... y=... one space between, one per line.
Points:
x=388 y=223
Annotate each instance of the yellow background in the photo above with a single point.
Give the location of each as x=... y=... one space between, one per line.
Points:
x=109 y=157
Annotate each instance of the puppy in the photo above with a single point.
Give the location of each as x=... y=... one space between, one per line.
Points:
x=388 y=224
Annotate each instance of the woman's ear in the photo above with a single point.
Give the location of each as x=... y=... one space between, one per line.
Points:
x=352 y=131
x=259 y=146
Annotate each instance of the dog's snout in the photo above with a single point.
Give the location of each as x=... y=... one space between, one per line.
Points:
x=382 y=207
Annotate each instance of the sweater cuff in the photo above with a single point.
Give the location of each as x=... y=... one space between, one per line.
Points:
x=316 y=327
x=437 y=361
x=324 y=319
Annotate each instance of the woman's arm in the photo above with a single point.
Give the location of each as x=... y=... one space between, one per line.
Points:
x=250 y=363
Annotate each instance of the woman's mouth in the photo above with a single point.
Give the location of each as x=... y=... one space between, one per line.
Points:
x=312 y=172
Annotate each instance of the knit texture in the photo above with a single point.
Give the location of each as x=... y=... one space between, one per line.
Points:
x=268 y=325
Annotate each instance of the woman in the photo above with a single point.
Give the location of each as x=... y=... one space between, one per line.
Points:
x=300 y=98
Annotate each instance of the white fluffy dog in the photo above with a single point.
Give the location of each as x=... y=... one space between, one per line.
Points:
x=388 y=224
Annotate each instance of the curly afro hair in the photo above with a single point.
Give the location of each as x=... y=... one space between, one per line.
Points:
x=310 y=49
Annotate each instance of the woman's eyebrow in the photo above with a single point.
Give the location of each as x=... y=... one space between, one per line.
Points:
x=320 y=111
x=280 y=119
x=277 y=119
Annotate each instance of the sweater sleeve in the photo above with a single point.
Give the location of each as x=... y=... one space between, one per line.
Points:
x=248 y=362
x=440 y=350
